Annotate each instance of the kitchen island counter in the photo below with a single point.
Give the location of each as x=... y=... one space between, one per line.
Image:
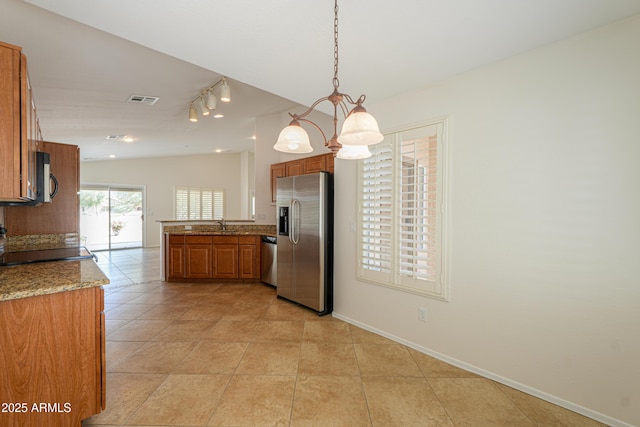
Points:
x=27 y=280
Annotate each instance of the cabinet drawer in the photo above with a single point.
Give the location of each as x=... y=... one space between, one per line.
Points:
x=232 y=240
x=247 y=240
x=204 y=240
x=176 y=239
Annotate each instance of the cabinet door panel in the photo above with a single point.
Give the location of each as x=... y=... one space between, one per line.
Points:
x=277 y=170
x=247 y=263
x=198 y=262
x=295 y=167
x=176 y=261
x=50 y=353
x=315 y=164
x=225 y=261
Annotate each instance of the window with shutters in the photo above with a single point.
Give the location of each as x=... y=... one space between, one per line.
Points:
x=193 y=203
x=401 y=211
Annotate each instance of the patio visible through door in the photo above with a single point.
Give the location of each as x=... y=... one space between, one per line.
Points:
x=111 y=217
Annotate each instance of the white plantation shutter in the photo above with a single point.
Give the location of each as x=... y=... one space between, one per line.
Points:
x=218 y=204
x=401 y=203
x=376 y=212
x=418 y=219
x=182 y=203
x=193 y=203
x=195 y=209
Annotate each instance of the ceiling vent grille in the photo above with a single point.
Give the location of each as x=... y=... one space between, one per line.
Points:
x=142 y=99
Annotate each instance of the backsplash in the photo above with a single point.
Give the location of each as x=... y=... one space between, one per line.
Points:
x=41 y=241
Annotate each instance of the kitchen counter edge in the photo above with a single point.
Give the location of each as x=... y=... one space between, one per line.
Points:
x=28 y=280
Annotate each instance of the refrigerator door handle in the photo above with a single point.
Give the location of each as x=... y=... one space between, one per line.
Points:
x=291 y=222
x=294 y=236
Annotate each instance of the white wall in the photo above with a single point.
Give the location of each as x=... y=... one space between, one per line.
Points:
x=544 y=224
x=160 y=175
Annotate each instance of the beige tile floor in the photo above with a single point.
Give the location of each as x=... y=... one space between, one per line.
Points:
x=235 y=355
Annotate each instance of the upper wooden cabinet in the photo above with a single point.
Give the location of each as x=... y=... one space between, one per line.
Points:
x=313 y=164
x=60 y=216
x=19 y=128
x=294 y=167
x=277 y=170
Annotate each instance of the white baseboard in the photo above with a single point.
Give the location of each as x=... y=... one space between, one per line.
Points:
x=479 y=371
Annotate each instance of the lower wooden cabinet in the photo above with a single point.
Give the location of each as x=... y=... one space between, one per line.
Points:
x=249 y=257
x=198 y=256
x=212 y=257
x=225 y=257
x=174 y=256
x=52 y=364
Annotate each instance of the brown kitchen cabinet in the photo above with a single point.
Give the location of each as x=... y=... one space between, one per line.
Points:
x=198 y=257
x=53 y=352
x=277 y=170
x=60 y=216
x=225 y=257
x=174 y=256
x=313 y=164
x=249 y=257
x=294 y=167
x=212 y=258
x=19 y=129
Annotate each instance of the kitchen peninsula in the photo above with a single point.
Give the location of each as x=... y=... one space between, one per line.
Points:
x=212 y=251
x=52 y=340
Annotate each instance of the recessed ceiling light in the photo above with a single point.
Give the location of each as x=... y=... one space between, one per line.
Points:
x=218 y=116
x=112 y=156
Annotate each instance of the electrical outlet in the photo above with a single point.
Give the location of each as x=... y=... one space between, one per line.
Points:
x=422 y=314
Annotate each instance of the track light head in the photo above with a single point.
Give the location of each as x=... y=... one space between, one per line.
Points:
x=225 y=91
x=193 y=113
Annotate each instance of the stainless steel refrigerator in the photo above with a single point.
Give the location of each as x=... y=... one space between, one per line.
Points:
x=305 y=240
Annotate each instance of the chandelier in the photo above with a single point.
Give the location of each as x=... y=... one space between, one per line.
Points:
x=359 y=129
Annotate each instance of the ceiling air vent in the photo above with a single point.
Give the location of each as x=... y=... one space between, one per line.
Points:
x=142 y=99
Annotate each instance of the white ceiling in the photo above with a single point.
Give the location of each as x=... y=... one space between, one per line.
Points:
x=87 y=57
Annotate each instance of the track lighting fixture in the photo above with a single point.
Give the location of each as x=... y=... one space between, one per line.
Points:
x=359 y=129
x=204 y=110
x=207 y=100
x=225 y=91
x=193 y=113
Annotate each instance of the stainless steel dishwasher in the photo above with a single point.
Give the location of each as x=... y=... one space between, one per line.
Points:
x=269 y=260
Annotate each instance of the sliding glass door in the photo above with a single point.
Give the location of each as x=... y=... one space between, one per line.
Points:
x=111 y=217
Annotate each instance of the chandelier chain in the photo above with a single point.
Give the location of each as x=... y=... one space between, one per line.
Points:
x=336 y=82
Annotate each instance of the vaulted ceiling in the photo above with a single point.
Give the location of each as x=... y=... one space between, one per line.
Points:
x=86 y=58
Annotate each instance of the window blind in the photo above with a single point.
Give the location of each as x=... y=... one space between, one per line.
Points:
x=400 y=211
x=194 y=203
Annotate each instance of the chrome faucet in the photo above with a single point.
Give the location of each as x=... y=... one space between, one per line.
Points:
x=223 y=223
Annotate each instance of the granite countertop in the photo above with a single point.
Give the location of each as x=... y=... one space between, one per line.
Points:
x=28 y=280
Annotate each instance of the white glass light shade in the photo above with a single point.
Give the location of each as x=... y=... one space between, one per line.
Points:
x=193 y=113
x=203 y=108
x=211 y=101
x=360 y=128
x=293 y=139
x=225 y=92
x=353 y=152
